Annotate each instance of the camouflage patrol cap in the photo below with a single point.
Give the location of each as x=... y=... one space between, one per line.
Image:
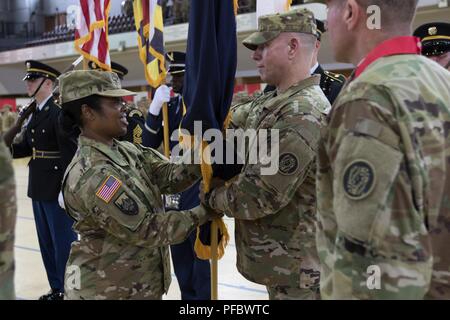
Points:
x=271 y=26
x=80 y=84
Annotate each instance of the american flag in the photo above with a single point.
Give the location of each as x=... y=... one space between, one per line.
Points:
x=109 y=188
x=91 y=34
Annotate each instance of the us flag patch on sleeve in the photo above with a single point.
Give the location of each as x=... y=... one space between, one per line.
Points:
x=109 y=188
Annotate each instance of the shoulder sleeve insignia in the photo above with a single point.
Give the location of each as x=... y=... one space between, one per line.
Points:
x=288 y=164
x=108 y=188
x=359 y=179
x=127 y=205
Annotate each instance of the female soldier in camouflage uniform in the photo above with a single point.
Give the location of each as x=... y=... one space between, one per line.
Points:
x=113 y=190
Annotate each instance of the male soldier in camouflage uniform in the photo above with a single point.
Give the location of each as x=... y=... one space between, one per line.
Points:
x=383 y=182
x=275 y=214
x=7 y=223
x=112 y=189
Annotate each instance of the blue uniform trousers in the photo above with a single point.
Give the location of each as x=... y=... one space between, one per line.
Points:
x=193 y=274
x=55 y=234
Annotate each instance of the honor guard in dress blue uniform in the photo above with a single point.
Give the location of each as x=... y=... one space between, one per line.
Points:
x=193 y=274
x=50 y=154
x=330 y=83
x=135 y=118
x=435 y=38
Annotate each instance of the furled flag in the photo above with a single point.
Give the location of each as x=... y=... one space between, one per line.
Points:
x=148 y=18
x=91 y=33
x=211 y=61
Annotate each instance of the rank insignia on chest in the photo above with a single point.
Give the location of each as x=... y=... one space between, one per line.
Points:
x=127 y=205
x=108 y=188
x=137 y=135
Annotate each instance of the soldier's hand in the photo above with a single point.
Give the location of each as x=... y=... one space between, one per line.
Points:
x=162 y=95
x=205 y=197
x=208 y=214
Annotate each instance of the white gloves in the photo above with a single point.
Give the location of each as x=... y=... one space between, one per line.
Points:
x=61 y=200
x=162 y=95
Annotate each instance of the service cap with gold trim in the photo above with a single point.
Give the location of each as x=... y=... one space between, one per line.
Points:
x=272 y=25
x=36 y=69
x=435 y=38
x=176 y=61
x=117 y=68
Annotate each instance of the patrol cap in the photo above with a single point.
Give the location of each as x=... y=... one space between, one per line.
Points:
x=435 y=38
x=115 y=67
x=80 y=84
x=177 y=62
x=36 y=69
x=271 y=26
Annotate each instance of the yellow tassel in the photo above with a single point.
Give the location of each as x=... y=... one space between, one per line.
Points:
x=288 y=5
x=227 y=121
x=205 y=165
x=236 y=7
x=204 y=252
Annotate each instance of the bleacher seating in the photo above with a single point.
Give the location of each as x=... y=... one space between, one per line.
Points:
x=118 y=24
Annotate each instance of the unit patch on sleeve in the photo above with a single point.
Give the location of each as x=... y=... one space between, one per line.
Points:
x=359 y=179
x=288 y=164
x=127 y=205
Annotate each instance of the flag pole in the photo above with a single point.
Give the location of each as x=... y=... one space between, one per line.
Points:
x=166 y=130
x=214 y=260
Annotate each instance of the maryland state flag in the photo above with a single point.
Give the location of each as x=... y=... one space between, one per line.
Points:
x=148 y=18
x=91 y=33
x=211 y=60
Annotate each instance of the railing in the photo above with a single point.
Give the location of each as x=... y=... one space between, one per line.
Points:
x=175 y=12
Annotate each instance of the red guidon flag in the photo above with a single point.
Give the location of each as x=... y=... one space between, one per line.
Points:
x=91 y=34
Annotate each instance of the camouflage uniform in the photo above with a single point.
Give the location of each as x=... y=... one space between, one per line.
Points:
x=240 y=98
x=114 y=196
x=7 y=223
x=383 y=184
